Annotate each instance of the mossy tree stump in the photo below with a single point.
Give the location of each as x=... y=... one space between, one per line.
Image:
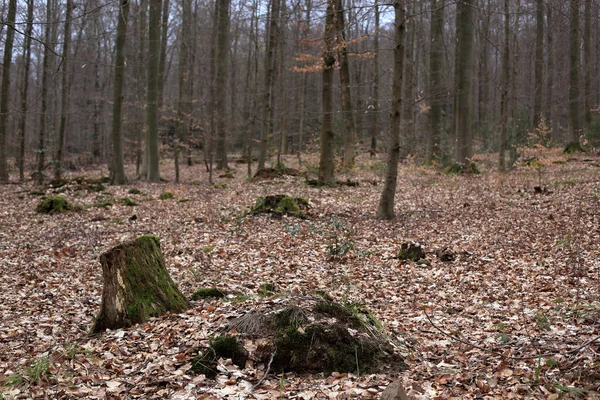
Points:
x=137 y=285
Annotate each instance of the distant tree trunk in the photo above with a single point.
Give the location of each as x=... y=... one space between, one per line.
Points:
x=24 y=92
x=304 y=87
x=137 y=285
x=141 y=163
x=550 y=77
x=574 y=116
x=185 y=96
x=153 y=174
x=464 y=90
x=346 y=90
x=512 y=140
x=587 y=64
x=385 y=209
x=437 y=90
x=8 y=48
x=96 y=139
x=118 y=169
x=327 y=156
x=375 y=102
x=221 y=80
x=266 y=133
x=505 y=84
x=49 y=48
x=539 y=62
x=407 y=144
x=484 y=76
x=64 y=103
x=162 y=63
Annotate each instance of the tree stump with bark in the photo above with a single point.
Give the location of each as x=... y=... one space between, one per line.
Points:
x=137 y=285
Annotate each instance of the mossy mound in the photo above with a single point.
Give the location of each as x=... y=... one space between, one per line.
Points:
x=80 y=183
x=410 y=251
x=225 y=346
x=126 y=201
x=458 y=168
x=310 y=334
x=266 y=290
x=227 y=175
x=207 y=293
x=272 y=173
x=53 y=205
x=280 y=204
x=134 y=191
x=166 y=196
x=574 y=147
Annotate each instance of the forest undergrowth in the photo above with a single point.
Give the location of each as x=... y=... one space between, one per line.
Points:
x=512 y=313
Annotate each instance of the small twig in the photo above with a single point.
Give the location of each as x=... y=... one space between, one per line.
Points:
x=266 y=373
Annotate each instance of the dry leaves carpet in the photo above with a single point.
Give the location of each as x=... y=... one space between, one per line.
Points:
x=514 y=315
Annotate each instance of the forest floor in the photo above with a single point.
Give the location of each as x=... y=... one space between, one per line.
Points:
x=515 y=315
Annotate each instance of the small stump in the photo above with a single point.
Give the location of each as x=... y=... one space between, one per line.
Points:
x=137 y=285
x=411 y=251
x=53 y=205
x=280 y=204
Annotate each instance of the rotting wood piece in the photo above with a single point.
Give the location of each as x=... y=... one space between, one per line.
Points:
x=137 y=285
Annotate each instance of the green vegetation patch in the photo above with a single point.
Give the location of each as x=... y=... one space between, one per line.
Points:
x=166 y=196
x=53 y=205
x=458 y=168
x=281 y=204
x=266 y=290
x=410 y=251
x=126 y=201
x=134 y=191
x=206 y=293
x=225 y=346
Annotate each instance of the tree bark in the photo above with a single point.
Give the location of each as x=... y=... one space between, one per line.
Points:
x=437 y=91
x=221 y=80
x=327 y=157
x=118 y=169
x=137 y=285
x=505 y=84
x=464 y=90
x=574 y=116
x=386 y=202
x=587 y=64
x=539 y=62
x=64 y=101
x=153 y=174
x=550 y=77
x=184 y=108
x=162 y=64
x=8 y=48
x=25 y=91
x=375 y=102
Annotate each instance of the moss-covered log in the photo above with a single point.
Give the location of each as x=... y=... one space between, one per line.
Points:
x=137 y=285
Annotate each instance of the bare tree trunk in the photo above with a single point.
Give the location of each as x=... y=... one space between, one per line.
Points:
x=550 y=77
x=484 y=75
x=408 y=80
x=587 y=64
x=64 y=103
x=153 y=174
x=49 y=48
x=574 y=116
x=184 y=105
x=8 y=48
x=96 y=140
x=118 y=176
x=464 y=91
x=327 y=157
x=505 y=85
x=24 y=93
x=375 y=109
x=539 y=62
x=141 y=164
x=221 y=80
x=385 y=209
x=162 y=64
x=346 y=90
x=512 y=139
x=266 y=134
x=437 y=91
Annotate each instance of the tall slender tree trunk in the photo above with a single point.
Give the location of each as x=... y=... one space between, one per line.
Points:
x=375 y=102
x=464 y=90
x=550 y=77
x=574 y=44
x=304 y=86
x=407 y=144
x=484 y=75
x=266 y=133
x=587 y=64
x=505 y=85
x=346 y=90
x=221 y=80
x=437 y=91
x=512 y=140
x=184 y=104
x=153 y=174
x=141 y=164
x=8 y=49
x=385 y=209
x=96 y=139
x=162 y=64
x=327 y=157
x=539 y=62
x=48 y=49
x=25 y=91
x=64 y=103
x=118 y=168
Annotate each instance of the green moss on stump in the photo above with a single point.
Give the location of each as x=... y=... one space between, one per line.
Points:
x=280 y=204
x=574 y=147
x=126 y=201
x=206 y=293
x=53 y=205
x=225 y=346
x=137 y=285
x=166 y=196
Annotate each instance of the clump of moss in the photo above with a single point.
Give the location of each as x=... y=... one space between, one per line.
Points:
x=224 y=346
x=104 y=201
x=166 y=196
x=459 y=168
x=266 y=290
x=134 y=191
x=227 y=175
x=574 y=147
x=333 y=309
x=205 y=293
x=410 y=251
x=37 y=193
x=53 y=205
x=280 y=204
x=126 y=201
x=95 y=187
x=220 y=186
x=292 y=316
